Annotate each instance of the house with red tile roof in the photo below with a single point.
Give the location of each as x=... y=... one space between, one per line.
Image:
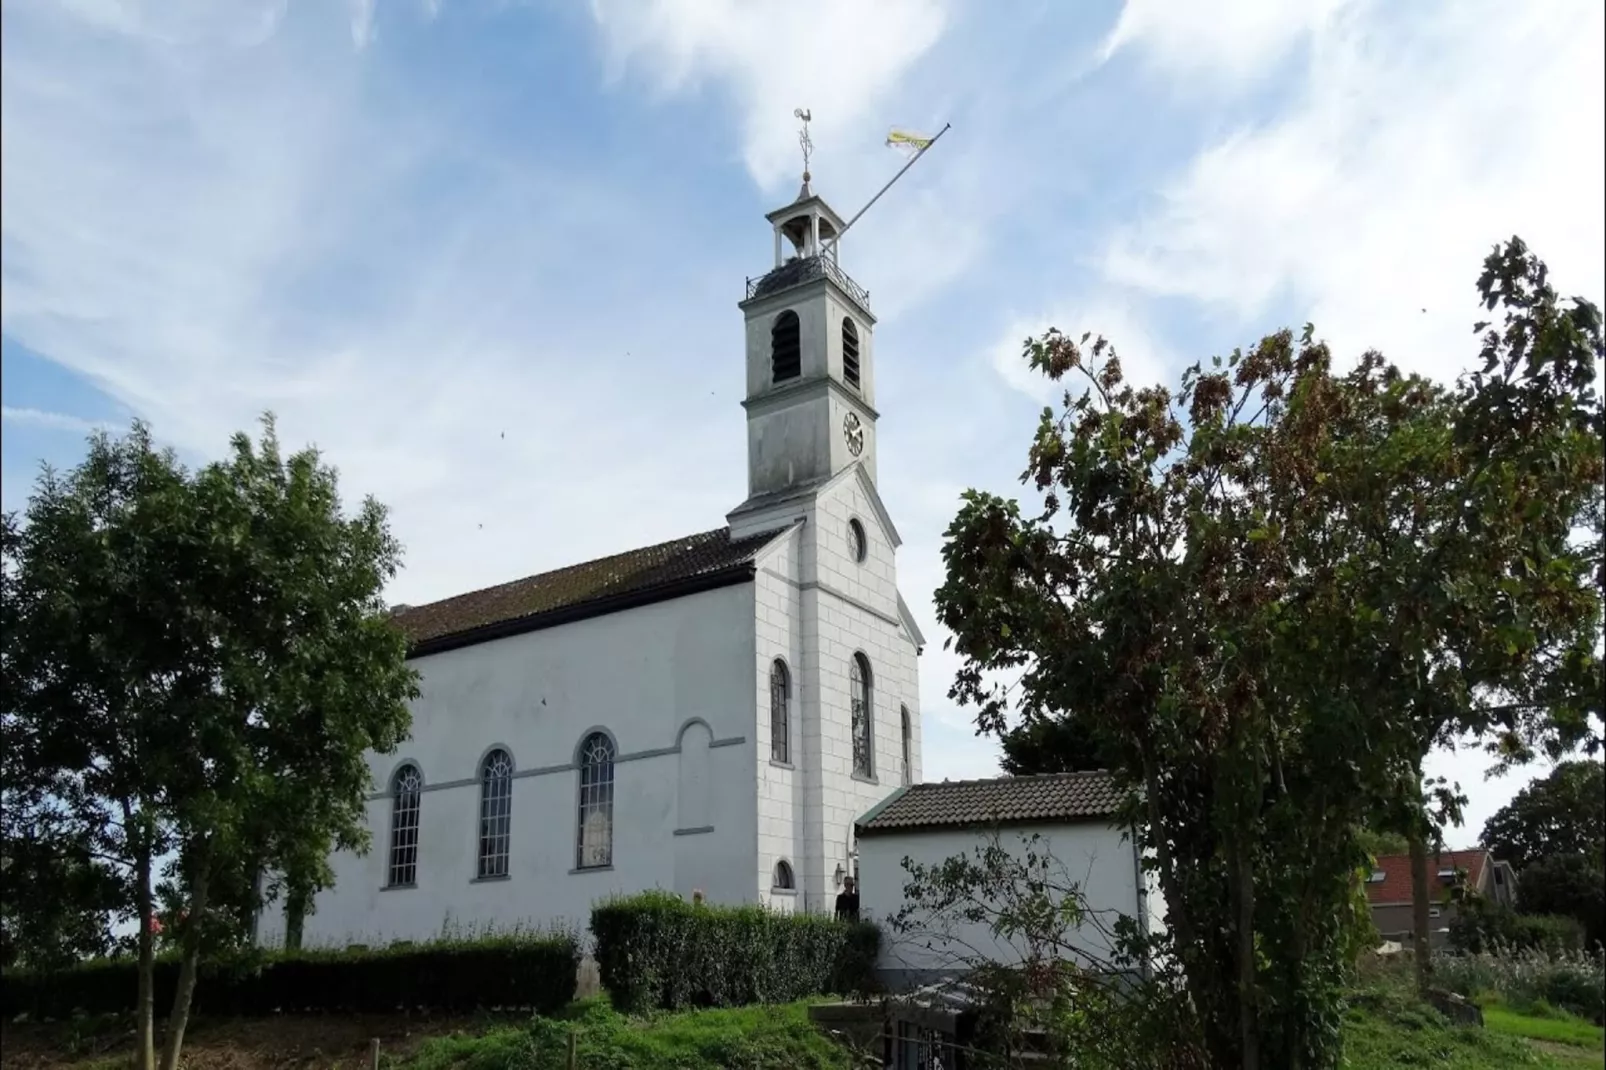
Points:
x=1388 y=890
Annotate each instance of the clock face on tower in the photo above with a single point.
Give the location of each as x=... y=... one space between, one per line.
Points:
x=853 y=431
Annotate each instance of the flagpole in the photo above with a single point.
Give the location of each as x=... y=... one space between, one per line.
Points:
x=828 y=245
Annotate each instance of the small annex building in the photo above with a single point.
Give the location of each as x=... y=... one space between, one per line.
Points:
x=1069 y=819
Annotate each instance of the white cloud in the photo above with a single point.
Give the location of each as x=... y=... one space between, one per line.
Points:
x=362 y=23
x=209 y=231
x=838 y=58
x=51 y=421
x=1228 y=44
x=1422 y=137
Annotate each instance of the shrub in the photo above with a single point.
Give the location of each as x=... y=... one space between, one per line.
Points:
x=1571 y=980
x=655 y=951
x=525 y=971
x=1482 y=927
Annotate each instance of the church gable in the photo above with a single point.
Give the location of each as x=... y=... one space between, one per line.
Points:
x=701 y=562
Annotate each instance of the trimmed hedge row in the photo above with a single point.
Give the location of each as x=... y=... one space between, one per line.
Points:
x=657 y=952
x=526 y=972
x=1482 y=927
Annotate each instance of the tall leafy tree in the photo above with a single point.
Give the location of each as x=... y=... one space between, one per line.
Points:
x=196 y=666
x=1050 y=745
x=1268 y=594
x=1563 y=813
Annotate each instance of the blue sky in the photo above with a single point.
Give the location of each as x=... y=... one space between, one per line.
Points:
x=412 y=227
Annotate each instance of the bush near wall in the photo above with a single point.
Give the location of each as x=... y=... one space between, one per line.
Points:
x=534 y=972
x=1481 y=927
x=657 y=952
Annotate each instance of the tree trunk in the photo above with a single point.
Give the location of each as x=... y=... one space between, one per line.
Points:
x=1243 y=880
x=180 y=1016
x=145 y=1002
x=1421 y=948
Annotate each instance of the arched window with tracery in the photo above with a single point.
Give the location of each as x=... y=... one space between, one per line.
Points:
x=496 y=813
x=406 y=792
x=861 y=694
x=594 y=839
x=780 y=713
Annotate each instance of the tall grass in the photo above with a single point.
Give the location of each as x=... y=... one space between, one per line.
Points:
x=1574 y=981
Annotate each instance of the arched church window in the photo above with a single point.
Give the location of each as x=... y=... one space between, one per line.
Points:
x=786 y=347
x=850 y=353
x=594 y=846
x=784 y=881
x=860 y=691
x=780 y=721
x=496 y=813
x=406 y=789
x=908 y=747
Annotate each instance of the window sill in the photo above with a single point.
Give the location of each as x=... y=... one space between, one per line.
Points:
x=871 y=779
x=398 y=887
x=783 y=891
x=777 y=763
x=697 y=831
x=592 y=869
x=492 y=879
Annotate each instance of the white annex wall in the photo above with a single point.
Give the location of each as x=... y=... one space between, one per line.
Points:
x=1093 y=855
x=672 y=682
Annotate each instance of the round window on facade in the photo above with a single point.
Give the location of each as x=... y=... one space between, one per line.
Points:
x=858 y=545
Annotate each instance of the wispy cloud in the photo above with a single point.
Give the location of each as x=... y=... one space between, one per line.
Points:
x=1227 y=45
x=1422 y=136
x=51 y=421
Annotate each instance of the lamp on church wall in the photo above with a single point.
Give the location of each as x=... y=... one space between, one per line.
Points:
x=837 y=877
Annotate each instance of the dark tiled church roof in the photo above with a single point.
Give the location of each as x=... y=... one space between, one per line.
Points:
x=653 y=573
x=1001 y=800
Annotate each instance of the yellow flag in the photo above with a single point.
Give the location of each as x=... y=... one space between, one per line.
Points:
x=907 y=142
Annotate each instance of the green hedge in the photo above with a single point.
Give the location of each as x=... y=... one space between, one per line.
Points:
x=1481 y=927
x=657 y=952
x=536 y=972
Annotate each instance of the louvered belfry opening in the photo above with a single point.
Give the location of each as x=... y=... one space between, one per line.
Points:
x=786 y=347
x=850 y=353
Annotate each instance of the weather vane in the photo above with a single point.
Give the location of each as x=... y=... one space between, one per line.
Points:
x=803 y=138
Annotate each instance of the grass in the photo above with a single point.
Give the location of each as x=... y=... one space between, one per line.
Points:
x=1557 y=1027
x=763 y=1038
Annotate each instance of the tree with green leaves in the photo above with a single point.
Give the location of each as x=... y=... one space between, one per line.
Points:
x=1567 y=886
x=1562 y=813
x=195 y=665
x=1047 y=745
x=1269 y=594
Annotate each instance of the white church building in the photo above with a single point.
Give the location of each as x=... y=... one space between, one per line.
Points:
x=711 y=713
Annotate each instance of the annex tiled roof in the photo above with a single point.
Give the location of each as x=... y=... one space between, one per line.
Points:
x=1001 y=800
x=618 y=582
x=1395 y=887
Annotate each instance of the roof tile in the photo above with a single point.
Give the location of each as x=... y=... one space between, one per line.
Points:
x=1395 y=887
x=1003 y=800
x=636 y=572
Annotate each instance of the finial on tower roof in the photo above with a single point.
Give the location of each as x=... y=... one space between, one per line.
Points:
x=807 y=145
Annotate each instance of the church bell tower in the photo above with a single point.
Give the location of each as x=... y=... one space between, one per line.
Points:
x=810 y=356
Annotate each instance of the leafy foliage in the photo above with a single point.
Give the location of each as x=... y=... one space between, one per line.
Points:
x=1571 y=886
x=194 y=667
x=1050 y=746
x=1266 y=596
x=656 y=951
x=1482 y=926
x=510 y=972
x=1057 y=976
x=1562 y=813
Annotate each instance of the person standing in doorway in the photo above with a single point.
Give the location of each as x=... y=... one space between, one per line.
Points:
x=847 y=901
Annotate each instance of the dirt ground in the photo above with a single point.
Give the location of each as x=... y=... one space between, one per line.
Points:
x=277 y=1043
